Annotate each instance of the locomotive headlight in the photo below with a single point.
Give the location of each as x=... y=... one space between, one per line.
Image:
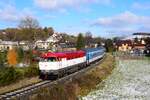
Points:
x=148 y=51
x=40 y=64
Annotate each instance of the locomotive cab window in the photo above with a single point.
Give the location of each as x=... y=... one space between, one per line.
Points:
x=49 y=59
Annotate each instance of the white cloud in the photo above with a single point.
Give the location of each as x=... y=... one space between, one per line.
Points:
x=64 y=4
x=123 y=19
x=123 y=23
x=8 y=13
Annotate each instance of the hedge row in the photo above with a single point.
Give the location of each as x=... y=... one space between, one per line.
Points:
x=10 y=75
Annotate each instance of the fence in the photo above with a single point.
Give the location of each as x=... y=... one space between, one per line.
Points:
x=128 y=55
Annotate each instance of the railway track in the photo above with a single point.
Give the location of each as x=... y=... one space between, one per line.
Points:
x=25 y=91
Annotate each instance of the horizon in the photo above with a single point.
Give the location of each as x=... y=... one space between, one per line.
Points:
x=104 y=18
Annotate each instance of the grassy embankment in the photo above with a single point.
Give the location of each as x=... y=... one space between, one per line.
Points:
x=79 y=86
x=13 y=78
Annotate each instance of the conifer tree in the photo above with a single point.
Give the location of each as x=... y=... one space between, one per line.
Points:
x=80 y=42
x=20 y=54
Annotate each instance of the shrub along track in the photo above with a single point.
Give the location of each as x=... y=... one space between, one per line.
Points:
x=25 y=92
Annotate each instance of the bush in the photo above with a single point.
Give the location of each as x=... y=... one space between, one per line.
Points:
x=9 y=75
x=31 y=71
x=3 y=59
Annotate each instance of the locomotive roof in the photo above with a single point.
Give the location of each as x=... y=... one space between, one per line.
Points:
x=67 y=54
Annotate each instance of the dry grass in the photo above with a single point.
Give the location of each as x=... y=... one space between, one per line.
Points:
x=57 y=92
x=19 y=84
x=92 y=78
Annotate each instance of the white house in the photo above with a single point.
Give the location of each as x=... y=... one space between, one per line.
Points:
x=53 y=38
x=48 y=42
x=4 y=45
x=42 y=44
x=137 y=35
x=24 y=45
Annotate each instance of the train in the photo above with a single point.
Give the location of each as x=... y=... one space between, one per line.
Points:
x=53 y=65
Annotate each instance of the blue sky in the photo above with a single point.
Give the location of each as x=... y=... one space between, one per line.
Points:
x=101 y=17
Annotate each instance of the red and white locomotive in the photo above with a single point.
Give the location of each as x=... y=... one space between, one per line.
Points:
x=54 y=65
x=58 y=64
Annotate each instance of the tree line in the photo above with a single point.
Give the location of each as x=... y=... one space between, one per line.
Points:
x=88 y=41
x=28 y=30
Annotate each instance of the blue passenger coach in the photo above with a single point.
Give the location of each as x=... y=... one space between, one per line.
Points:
x=94 y=54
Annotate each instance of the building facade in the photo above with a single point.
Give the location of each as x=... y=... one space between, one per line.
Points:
x=6 y=45
x=134 y=43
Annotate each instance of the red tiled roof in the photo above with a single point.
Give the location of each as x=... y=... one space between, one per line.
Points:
x=139 y=44
x=120 y=42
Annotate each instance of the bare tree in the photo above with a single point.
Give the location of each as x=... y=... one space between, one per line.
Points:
x=29 y=23
x=28 y=27
x=88 y=38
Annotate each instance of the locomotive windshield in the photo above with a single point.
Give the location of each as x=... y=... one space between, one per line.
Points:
x=49 y=59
